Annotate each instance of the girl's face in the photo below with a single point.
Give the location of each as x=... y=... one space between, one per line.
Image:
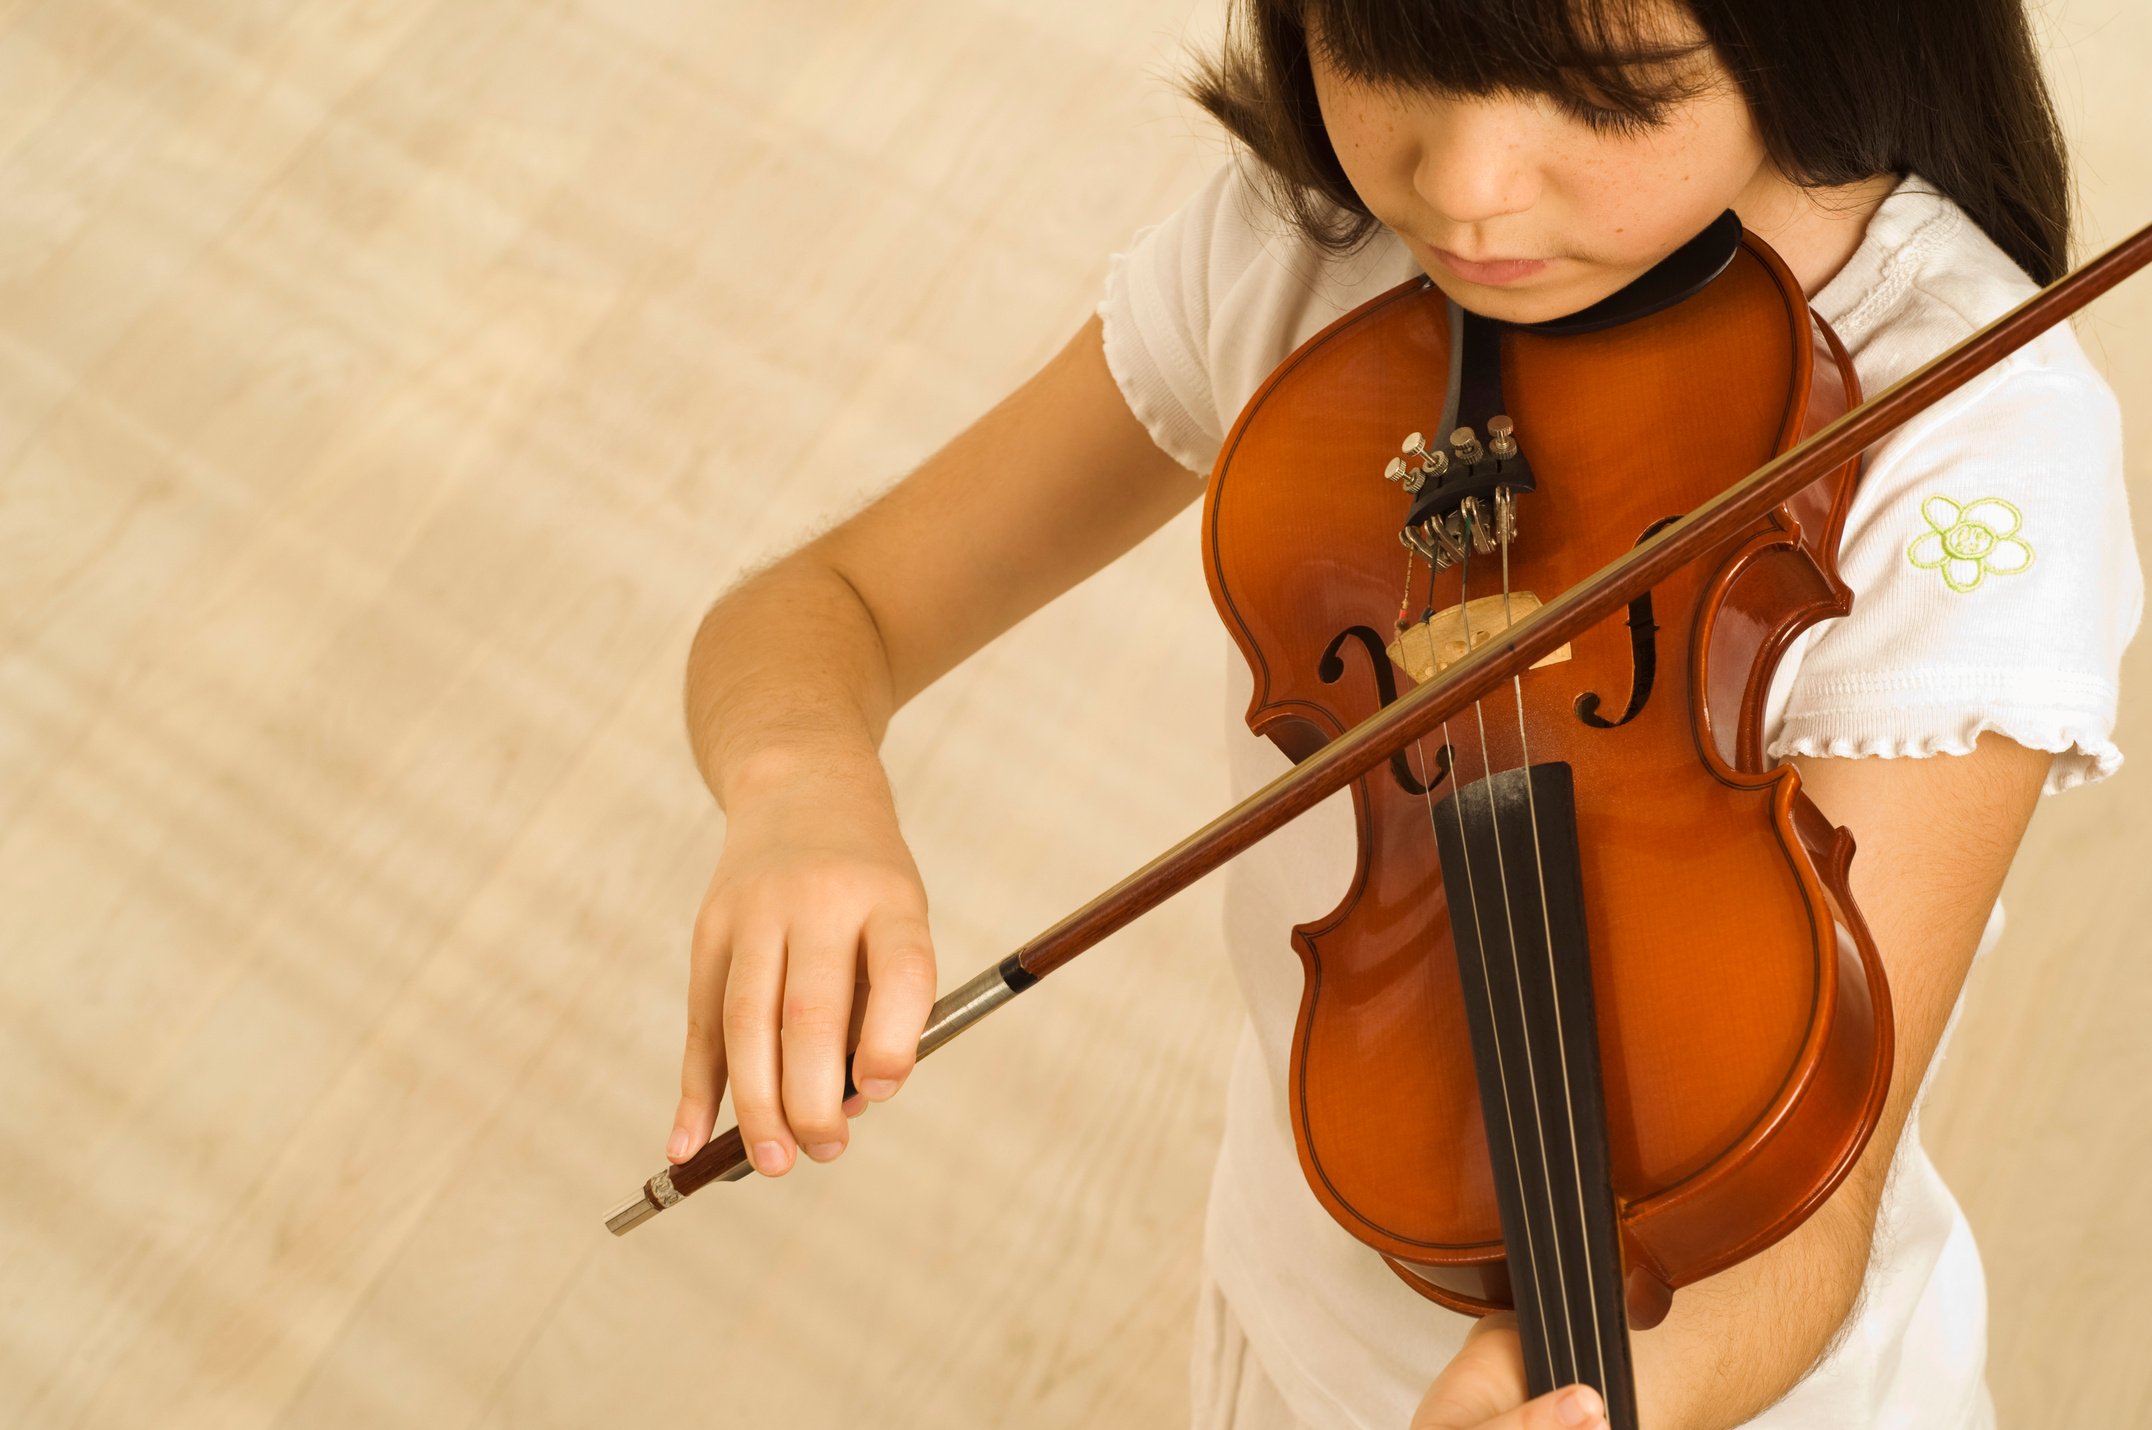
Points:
x=1589 y=200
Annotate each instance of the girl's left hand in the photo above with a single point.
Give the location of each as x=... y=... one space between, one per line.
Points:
x=1482 y=1388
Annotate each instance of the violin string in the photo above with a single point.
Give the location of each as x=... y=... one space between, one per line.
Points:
x=1516 y=961
x=1471 y=892
x=1561 y=1041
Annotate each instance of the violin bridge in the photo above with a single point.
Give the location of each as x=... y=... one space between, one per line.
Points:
x=1426 y=649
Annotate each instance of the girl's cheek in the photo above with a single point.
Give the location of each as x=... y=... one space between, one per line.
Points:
x=1649 y=202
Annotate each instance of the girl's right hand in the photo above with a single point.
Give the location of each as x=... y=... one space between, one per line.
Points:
x=814 y=922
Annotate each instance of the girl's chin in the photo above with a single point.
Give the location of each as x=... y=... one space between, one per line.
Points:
x=1531 y=301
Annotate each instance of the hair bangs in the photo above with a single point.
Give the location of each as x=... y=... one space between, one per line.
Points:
x=1603 y=53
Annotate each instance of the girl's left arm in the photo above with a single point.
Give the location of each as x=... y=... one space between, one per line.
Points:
x=1934 y=838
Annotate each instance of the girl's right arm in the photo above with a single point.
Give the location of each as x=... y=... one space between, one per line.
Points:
x=814 y=923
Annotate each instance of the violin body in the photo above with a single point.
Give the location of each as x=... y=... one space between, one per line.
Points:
x=1740 y=1012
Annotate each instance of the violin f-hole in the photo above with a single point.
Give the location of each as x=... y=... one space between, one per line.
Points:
x=1331 y=668
x=1643 y=653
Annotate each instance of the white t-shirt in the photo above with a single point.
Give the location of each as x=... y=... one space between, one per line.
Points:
x=2019 y=629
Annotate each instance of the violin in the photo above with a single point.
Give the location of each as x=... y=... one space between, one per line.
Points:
x=1597 y=1016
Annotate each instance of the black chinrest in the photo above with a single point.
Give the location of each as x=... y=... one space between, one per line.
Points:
x=1679 y=275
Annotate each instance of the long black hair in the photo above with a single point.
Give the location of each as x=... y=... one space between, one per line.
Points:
x=1840 y=90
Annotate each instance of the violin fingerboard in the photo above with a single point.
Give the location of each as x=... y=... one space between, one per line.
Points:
x=1508 y=847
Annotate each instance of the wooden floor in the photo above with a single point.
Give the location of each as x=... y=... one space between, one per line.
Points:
x=385 y=390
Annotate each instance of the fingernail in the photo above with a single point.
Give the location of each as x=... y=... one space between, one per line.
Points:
x=1578 y=1406
x=878 y=1087
x=677 y=1148
x=823 y=1151
x=769 y=1158
x=855 y=1105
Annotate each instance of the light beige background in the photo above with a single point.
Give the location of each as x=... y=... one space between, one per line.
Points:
x=385 y=389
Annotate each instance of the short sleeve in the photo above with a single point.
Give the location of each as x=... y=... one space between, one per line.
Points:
x=1155 y=316
x=1995 y=584
x=1204 y=304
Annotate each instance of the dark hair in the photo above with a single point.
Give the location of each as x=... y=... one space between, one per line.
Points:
x=1840 y=90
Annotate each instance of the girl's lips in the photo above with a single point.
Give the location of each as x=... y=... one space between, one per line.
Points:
x=1495 y=273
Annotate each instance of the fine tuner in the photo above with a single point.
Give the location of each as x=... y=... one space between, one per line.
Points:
x=1464 y=448
x=1473 y=496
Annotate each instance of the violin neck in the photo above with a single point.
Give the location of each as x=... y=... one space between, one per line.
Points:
x=1508 y=847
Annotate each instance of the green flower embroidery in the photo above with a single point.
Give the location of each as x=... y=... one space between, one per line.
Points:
x=1970 y=542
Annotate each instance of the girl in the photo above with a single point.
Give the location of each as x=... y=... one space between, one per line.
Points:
x=1530 y=157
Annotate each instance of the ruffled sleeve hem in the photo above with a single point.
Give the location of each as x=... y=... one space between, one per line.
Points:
x=2083 y=752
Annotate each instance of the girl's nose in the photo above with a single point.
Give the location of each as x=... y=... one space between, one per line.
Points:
x=1478 y=161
